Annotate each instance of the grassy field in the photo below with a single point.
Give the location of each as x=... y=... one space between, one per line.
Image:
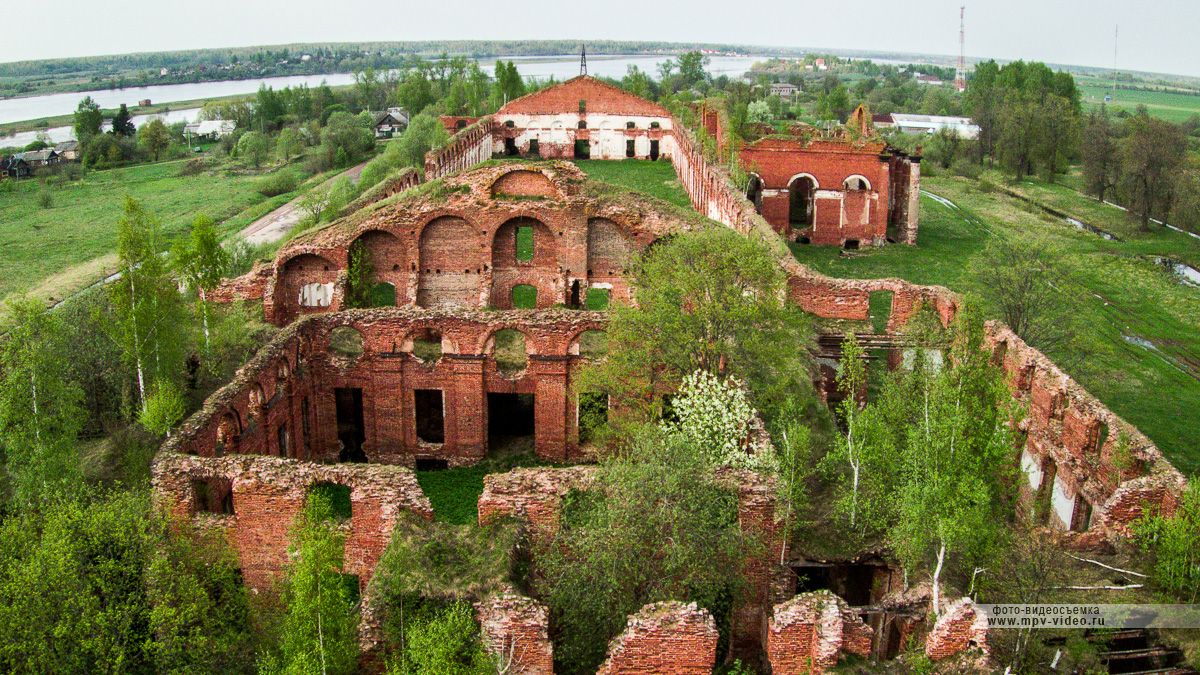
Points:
x=1131 y=299
x=51 y=252
x=1172 y=106
x=656 y=179
x=454 y=493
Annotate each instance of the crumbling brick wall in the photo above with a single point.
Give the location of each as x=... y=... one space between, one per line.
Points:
x=270 y=492
x=453 y=243
x=283 y=402
x=664 y=637
x=1098 y=473
x=516 y=632
x=811 y=631
x=464 y=150
x=533 y=495
x=961 y=627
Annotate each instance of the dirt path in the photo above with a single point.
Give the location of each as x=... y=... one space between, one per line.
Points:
x=276 y=224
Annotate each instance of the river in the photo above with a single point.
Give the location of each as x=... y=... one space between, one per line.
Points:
x=539 y=67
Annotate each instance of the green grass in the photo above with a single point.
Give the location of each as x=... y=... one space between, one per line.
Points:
x=656 y=179
x=524 y=296
x=1156 y=389
x=454 y=493
x=525 y=243
x=597 y=299
x=52 y=252
x=1171 y=106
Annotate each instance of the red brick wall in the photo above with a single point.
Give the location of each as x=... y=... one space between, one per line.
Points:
x=516 y=631
x=457 y=246
x=959 y=628
x=810 y=632
x=270 y=492
x=464 y=150
x=295 y=376
x=662 y=638
x=1064 y=427
x=600 y=97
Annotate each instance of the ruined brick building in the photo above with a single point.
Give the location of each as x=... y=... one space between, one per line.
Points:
x=356 y=399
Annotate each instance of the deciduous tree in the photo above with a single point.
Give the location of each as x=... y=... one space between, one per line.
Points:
x=154 y=137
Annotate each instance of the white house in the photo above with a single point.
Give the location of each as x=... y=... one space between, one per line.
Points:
x=931 y=124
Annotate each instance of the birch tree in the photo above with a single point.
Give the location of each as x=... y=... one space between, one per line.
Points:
x=41 y=410
x=958 y=462
x=146 y=302
x=200 y=262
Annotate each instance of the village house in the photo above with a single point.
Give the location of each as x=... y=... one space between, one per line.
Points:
x=14 y=166
x=214 y=129
x=68 y=151
x=784 y=89
x=390 y=122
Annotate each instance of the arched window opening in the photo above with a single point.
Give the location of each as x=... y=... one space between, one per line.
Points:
x=802 y=201
x=508 y=349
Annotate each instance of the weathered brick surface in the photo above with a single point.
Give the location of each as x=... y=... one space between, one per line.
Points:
x=516 y=631
x=457 y=245
x=961 y=627
x=270 y=492
x=1115 y=480
x=810 y=632
x=465 y=149
x=664 y=638
x=533 y=495
x=283 y=401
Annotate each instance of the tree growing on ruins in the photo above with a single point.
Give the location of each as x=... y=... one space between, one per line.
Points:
x=1152 y=158
x=318 y=631
x=41 y=409
x=146 y=301
x=201 y=262
x=360 y=277
x=710 y=300
x=956 y=468
x=654 y=526
x=1173 y=546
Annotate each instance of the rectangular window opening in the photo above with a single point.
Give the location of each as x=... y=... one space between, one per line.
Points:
x=350 y=428
x=430 y=419
x=212 y=495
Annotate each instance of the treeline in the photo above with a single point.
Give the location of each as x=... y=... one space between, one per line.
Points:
x=123 y=70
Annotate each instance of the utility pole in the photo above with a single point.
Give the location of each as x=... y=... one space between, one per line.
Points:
x=960 y=74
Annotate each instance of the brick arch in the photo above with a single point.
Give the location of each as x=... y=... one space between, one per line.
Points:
x=856 y=177
x=524 y=183
x=450 y=345
x=450 y=262
x=573 y=344
x=609 y=252
x=389 y=259
x=487 y=340
x=299 y=271
x=542 y=272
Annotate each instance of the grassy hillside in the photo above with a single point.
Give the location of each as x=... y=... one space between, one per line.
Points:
x=1131 y=299
x=53 y=251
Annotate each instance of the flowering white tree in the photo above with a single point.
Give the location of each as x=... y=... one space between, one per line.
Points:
x=715 y=416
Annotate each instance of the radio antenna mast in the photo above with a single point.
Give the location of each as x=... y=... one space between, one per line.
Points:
x=583 y=59
x=960 y=75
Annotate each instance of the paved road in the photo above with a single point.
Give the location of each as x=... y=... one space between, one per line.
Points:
x=276 y=224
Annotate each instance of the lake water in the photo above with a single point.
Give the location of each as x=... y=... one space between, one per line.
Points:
x=560 y=67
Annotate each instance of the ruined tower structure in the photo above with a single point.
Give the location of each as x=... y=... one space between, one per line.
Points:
x=489 y=280
x=843 y=186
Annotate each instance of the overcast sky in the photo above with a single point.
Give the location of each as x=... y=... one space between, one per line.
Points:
x=1155 y=35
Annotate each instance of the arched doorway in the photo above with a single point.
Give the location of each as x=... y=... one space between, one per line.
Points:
x=802 y=191
x=754 y=190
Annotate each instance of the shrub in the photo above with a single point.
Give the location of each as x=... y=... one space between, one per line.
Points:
x=1173 y=545
x=45 y=199
x=444 y=640
x=193 y=167
x=277 y=183
x=967 y=169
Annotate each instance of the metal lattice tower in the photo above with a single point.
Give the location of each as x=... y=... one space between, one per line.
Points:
x=583 y=59
x=960 y=75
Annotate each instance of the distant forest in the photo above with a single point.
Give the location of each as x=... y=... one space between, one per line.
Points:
x=202 y=65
